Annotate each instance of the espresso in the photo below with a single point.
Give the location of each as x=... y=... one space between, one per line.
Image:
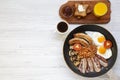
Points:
x=62 y=27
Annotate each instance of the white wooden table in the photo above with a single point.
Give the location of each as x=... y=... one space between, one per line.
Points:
x=30 y=48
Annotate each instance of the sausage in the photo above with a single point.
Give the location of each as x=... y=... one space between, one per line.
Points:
x=78 y=41
x=84 y=36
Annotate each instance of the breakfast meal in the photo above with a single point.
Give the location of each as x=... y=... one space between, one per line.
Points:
x=87 y=51
x=78 y=11
x=97 y=11
x=90 y=51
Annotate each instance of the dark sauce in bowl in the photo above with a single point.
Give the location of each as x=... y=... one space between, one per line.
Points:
x=67 y=11
x=62 y=27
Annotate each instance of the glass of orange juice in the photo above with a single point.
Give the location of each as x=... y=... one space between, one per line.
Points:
x=100 y=9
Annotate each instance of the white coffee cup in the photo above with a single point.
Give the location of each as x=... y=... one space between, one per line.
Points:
x=62 y=27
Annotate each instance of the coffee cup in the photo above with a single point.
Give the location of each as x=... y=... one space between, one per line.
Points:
x=62 y=27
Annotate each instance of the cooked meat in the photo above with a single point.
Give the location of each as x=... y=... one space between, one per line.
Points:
x=102 y=61
x=96 y=64
x=90 y=65
x=87 y=69
x=83 y=65
x=84 y=36
x=80 y=41
x=86 y=58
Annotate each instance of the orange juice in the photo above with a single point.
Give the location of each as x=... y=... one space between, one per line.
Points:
x=100 y=9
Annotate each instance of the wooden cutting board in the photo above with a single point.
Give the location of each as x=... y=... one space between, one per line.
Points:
x=90 y=18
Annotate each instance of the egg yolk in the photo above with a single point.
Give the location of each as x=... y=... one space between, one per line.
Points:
x=101 y=39
x=102 y=49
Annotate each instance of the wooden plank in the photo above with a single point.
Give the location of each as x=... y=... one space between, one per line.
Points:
x=90 y=18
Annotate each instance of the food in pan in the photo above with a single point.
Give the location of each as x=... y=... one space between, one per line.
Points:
x=103 y=45
x=89 y=51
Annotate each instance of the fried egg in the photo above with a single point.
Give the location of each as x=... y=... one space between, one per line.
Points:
x=97 y=37
x=105 y=53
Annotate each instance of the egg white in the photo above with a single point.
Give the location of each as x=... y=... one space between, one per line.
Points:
x=95 y=36
x=107 y=54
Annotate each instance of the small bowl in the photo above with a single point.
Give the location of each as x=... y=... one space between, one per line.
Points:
x=67 y=11
x=62 y=27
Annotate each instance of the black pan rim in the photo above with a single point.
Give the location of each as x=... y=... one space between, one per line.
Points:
x=96 y=75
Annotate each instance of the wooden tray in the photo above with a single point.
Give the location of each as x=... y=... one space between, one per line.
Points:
x=90 y=18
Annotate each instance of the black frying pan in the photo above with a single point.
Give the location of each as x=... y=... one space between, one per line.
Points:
x=96 y=28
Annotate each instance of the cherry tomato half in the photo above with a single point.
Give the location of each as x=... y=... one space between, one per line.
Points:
x=107 y=44
x=77 y=47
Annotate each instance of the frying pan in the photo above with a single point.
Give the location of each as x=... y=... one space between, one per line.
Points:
x=96 y=28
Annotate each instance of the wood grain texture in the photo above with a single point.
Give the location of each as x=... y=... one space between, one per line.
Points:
x=90 y=18
x=30 y=48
